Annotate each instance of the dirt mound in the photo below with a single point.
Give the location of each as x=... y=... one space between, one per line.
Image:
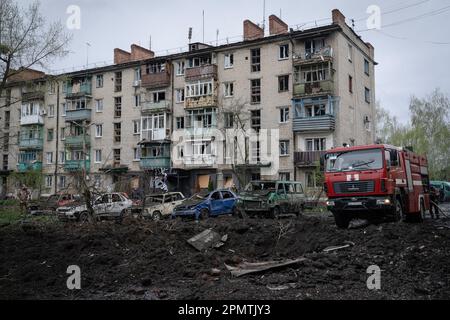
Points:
x=152 y=260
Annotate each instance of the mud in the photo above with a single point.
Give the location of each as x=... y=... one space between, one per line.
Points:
x=152 y=260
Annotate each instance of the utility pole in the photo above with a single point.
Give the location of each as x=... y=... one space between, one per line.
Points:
x=203 y=26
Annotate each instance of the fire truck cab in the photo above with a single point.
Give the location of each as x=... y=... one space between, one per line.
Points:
x=376 y=181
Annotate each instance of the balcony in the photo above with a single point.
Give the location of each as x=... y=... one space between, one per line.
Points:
x=78 y=115
x=203 y=72
x=33 y=95
x=314 y=88
x=308 y=158
x=315 y=114
x=323 y=55
x=150 y=106
x=79 y=91
x=200 y=102
x=34 y=143
x=31 y=119
x=76 y=165
x=155 y=80
x=150 y=163
x=77 y=141
x=155 y=135
x=312 y=124
x=29 y=166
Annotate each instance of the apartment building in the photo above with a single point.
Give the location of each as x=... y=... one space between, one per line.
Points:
x=163 y=119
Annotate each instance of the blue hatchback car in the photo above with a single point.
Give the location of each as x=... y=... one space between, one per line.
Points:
x=200 y=206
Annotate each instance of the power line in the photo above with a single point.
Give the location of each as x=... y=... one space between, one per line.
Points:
x=405 y=38
x=397 y=9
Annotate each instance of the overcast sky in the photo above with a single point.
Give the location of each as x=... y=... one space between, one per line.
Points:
x=411 y=55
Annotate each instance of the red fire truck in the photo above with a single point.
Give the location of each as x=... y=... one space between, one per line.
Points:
x=376 y=182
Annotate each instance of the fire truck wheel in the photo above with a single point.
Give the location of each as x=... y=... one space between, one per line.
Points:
x=399 y=217
x=342 y=221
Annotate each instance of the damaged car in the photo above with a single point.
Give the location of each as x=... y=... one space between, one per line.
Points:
x=204 y=205
x=50 y=204
x=110 y=206
x=271 y=199
x=158 y=206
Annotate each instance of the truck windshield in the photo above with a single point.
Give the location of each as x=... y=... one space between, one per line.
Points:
x=355 y=160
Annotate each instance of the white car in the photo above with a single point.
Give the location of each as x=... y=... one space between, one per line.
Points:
x=159 y=206
x=107 y=206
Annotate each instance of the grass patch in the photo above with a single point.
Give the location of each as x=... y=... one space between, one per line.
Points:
x=11 y=202
x=10 y=215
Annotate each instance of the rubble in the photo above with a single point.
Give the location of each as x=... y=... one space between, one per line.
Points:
x=256 y=267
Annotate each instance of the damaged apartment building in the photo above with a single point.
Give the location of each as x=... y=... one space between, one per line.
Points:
x=316 y=87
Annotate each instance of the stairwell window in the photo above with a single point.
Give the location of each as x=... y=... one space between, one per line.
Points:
x=366 y=67
x=61 y=182
x=180 y=68
x=256 y=120
x=228 y=89
x=284 y=115
x=98 y=130
x=99 y=105
x=48 y=181
x=51 y=110
x=49 y=157
x=98 y=156
x=284 y=52
x=117 y=107
x=118 y=81
x=180 y=95
x=367 y=94
x=256 y=60
x=99 y=81
x=137 y=100
x=62 y=157
x=136 y=127
x=350 y=53
x=180 y=123
x=256 y=91
x=50 y=134
x=283 y=83
x=117 y=132
x=137 y=154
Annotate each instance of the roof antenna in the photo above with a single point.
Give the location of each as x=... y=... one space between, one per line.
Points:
x=264 y=16
x=353 y=23
x=190 y=35
x=150 y=43
x=203 y=26
x=217 y=38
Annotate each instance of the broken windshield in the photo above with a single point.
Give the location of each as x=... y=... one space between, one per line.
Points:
x=355 y=160
x=260 y=186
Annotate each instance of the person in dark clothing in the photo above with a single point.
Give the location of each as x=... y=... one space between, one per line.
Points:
x=434 y=198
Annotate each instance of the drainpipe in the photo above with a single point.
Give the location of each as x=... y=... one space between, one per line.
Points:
x=294 y=136
x=57 y=138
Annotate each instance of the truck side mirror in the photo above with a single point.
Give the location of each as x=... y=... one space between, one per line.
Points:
x=394 y=158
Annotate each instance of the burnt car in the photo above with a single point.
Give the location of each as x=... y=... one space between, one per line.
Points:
x=50 y=203
x=271 y=198
x=157 y=206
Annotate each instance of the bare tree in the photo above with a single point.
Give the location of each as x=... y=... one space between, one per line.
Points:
x=27 y=39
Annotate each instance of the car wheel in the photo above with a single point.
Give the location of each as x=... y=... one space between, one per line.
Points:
x=84 y=217
x=156 y=216
x=204 y=214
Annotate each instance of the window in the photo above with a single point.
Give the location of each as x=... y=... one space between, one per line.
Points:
x=283 y=83
x=137 y=74
x=284 y=148
x=256 y=60
x=62 y=182
x=98 y=156
x=315 y=110
x=284 y=52
x=136 y=126
x=51 y=110
x=99 y=105
x=7 y=119
x=180 y=67
x=137 y=100
x=366 y=67
x=228 y=89
x=98 y=130
x=158 y=67
x=63 y=133
x=314 y=46
x=367 y=94
x=180 y=95
x=228 y=119
x=199 y=89
x=117 y=132
x=203 y=118
x=350 y=53
x=99 y=81
x=310 y=180
x=137 y=154
x=51 y=88
x=159 y=96
x=317 y=144
x=229 y=60
x=117 y=107
x=117 y=155
x=256 y=151
x=180 y=152
x=62 y=157
x=50 y=134
x=180 y=122
x=285 y=176
x=284 y=115
x=49 y=157
x=48 y=181
x=256 y=91
x=350 y=84
x=199 y=61
x=256 y=119
x=63 y=109
x=118 y=81
x=311 y=74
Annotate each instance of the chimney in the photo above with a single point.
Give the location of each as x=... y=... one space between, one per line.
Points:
x=277 y=26
x=140 y=53
x=252 y=31
x=121 y=56
x=338 y=17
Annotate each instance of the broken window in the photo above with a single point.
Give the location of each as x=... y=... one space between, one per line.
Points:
x=229 y=60
x=228 y=119
x=314 y=46
x=117 y=132
x=256 y=60
x=201 y=88
x=228 y=89
x=199 y=61
x=159 y=96
x=283 y=83
x=256 y=120
x=156 y=67
x=180 y=95
x=315 y=73
x=116 y=156
x=180 y=67
x=284 y=52
x=118 y=81
x=350 y=84
x=117 y=107
x=99 y=81
x=284 y=115
x=284 y=148
x=256 y=91
x=315 y=110
x=204 y=118
x=317 y=144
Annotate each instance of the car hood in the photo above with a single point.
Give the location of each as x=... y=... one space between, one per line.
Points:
x=190 y=203
x=254 y=195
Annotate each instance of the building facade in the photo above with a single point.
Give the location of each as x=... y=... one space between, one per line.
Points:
x=214 y=116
